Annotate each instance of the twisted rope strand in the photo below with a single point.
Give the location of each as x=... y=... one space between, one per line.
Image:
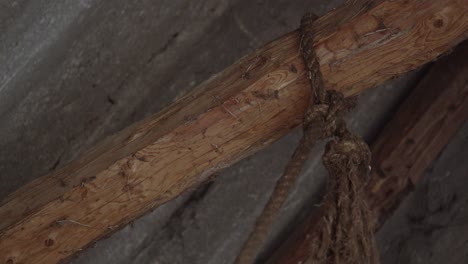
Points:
x=344 y=234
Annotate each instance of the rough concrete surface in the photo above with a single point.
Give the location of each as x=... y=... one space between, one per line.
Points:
x=75 y=71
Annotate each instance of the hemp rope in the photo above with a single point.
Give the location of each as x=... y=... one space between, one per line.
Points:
x=344 y=234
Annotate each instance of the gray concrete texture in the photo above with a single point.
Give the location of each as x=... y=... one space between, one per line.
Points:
x=75 y=71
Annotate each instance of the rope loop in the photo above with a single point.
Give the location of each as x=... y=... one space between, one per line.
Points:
x=345 y=232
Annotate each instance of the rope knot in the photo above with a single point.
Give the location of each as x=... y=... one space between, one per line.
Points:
x=323 y=119
x=347 y=152
x=344 y=233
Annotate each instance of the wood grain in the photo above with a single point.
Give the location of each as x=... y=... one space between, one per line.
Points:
x=242 y=109
x=420 y=129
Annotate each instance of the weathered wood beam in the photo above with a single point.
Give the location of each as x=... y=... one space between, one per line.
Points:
x=242 y=109
x=410 y=142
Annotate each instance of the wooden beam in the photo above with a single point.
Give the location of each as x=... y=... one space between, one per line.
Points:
x=408 y=145
x=235 y=113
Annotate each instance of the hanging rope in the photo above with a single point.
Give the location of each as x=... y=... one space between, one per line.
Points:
x=345 y=232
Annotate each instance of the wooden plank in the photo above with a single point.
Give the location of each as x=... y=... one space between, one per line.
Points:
x=410 y=142
x=242 y=109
